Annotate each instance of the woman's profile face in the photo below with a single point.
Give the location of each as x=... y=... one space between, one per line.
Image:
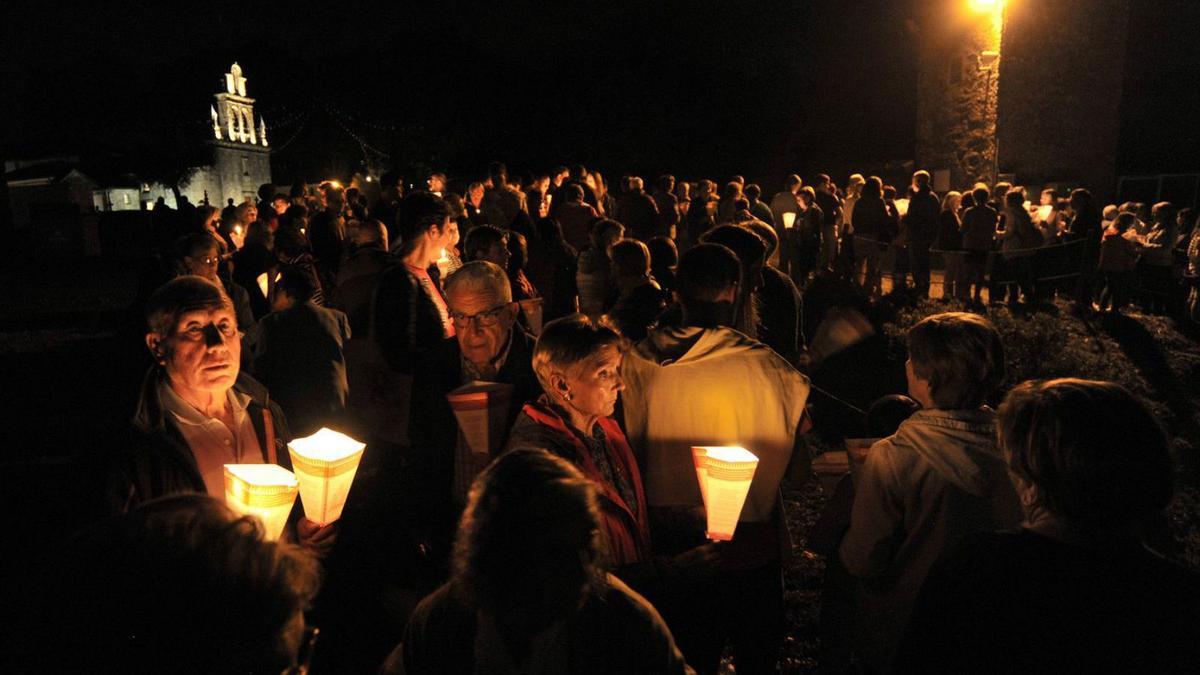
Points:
x=595 y=383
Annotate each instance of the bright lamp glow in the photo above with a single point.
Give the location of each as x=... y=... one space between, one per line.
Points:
x=725 y=474
x=265 y=491
x=985 y=5
x=325 y=464
x=789 y=219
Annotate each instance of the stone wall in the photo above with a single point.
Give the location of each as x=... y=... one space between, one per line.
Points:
x=956 y=94
x=1061 y=72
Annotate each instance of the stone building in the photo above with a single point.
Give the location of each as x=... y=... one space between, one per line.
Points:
x=241 y=159
x=1023 y=90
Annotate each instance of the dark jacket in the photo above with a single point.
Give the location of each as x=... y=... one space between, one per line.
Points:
x=921 y=220
x=434 y=429
x=327 y=233
x=615 y=631
x=870 y=218
x=949 y=236
x=627 y=534
x=780 y=312
x=668 y=211
x=151 y=459
x=356 y=282
x=639 y=214
x=248 y=263
x=552 y=268
x=299 y=356
x=408 y=326
x=979 y=228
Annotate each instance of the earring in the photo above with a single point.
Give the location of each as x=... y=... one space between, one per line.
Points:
x=567 y=396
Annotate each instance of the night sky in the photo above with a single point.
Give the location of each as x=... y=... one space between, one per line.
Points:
x=702 y=88
x=699 y=88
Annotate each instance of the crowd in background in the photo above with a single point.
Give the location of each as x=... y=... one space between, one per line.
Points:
x=628 y=325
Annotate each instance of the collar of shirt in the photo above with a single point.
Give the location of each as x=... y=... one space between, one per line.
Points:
x=186 y=413
x=471 y=372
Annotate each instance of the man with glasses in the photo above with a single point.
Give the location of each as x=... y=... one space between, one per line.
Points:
x=487 y=346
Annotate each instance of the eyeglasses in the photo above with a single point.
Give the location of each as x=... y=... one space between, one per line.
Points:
x=485 y=318
x=210 y=261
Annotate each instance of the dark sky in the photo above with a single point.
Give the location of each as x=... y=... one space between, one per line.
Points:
x=698 y=88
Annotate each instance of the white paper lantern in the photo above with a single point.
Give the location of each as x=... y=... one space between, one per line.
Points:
x=725 y=474
x=481 y=410
x=265 y=491
x=789 y=219
x=325 y=465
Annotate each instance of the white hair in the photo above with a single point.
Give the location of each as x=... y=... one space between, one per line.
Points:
x=481 y=275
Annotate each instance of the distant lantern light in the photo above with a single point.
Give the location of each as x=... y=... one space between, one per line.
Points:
x=985 y=5
x=724 y=474
x=265 y=491
x=789 y=219
x=325 y=465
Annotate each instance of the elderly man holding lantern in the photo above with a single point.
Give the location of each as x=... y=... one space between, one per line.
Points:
x=197 y=412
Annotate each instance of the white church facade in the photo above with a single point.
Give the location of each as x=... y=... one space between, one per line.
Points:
x=241 y=154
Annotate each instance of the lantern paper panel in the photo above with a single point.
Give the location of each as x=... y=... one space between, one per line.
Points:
x=725 y=474
x=325 y=463
x=532 y=309
x=789 y=219
x=481 y=409
x=265 y=491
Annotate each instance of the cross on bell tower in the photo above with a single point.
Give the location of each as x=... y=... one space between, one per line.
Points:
x=234 y=113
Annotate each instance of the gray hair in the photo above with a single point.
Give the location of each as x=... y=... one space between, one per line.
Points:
x=481 y=275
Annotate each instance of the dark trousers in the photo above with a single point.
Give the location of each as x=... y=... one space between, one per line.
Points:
x=1116 y=290
x=918 y=256
x=745 y=607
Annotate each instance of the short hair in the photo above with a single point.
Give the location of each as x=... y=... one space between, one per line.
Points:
x=195 y=243
x=1110 y=212
x=741 y=204
x=1093 y=450
x=765 y=232
x=823 y=179
x=497 y=170
x=481 y=275
x=731 y=190
x=370 y=232
x=705 y=272
x=1124 y=221
x=480 y=239
x=960 y=355
x=889 y=192
x=746 y=245
x=808 y=193
x=289 y=240
x=666 y=182
x=630 y=258
x=600 y=227
x=857 y=179
x=982 y=195
x=574 y=192
x=752 y=191
x=419 y=212
x=182 y=580
x=1164 y=211
x=296 y=283
x=791 y=182
x=569 y=341
x=636 y=184
x=873 y=186
x=527 y=504
x=1015 y=197
x=663 y=251
x=179 y=296
x=921 y=178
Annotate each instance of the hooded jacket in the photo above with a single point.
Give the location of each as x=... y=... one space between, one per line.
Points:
x=938 y=478
x=710 y=386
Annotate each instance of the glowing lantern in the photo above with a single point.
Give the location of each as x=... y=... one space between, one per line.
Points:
x=265 y=491
x=325 y=465
x=901 y=206
x=481 y=409
x=789 y=219
x=725 y=474
x=532 y=309
x=443 y=263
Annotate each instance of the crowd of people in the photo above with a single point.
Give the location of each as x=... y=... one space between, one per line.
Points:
x=624 y=329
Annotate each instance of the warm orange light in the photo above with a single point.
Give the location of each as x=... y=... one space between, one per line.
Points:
x=265 y=491
x=725 y=474
x=325 y=465
x=789 y=219
x=481 y=410
x=986 y=5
